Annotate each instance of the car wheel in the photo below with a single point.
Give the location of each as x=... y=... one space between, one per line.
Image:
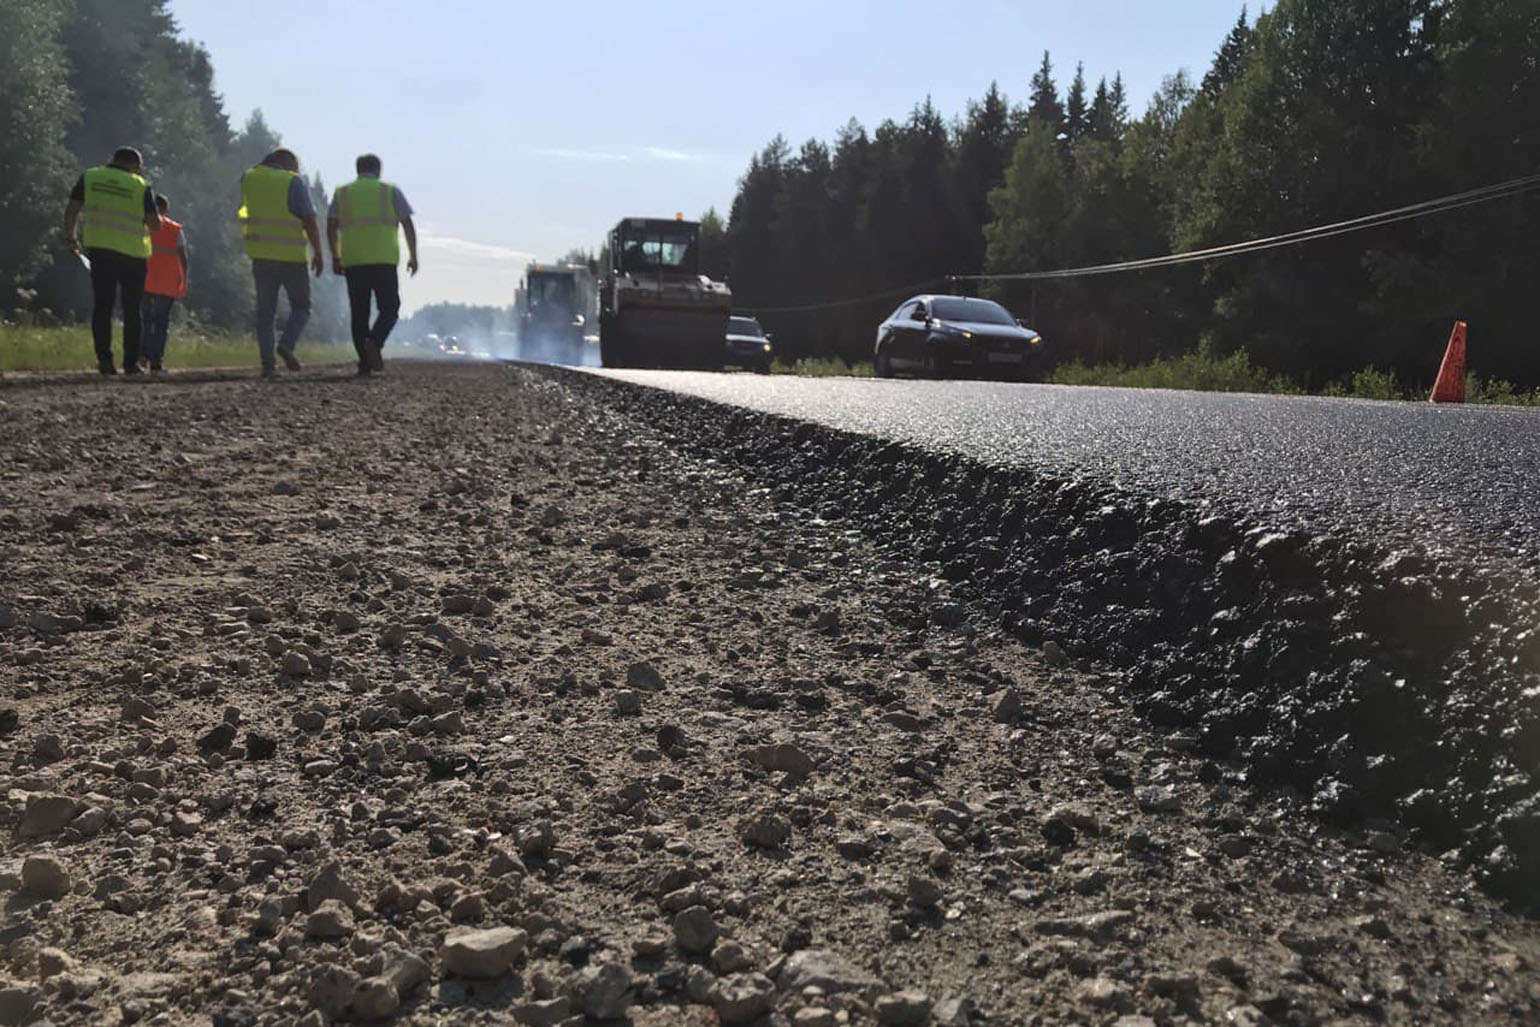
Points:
x=931 y=368
x=884 y=364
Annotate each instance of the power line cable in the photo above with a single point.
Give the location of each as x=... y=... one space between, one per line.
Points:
x=1443 y=204
x=908 y=290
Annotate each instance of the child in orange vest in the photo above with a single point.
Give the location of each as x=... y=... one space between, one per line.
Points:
x=165 y=282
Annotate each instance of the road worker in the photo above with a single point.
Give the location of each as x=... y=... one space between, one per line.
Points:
x=165 y=282
x=114 y=210
x=277 y=218
x=361 y=231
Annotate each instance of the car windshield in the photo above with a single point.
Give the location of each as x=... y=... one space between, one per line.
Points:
x=547 y=288
x=744 y=326
x=649 y=249
x=955 y=308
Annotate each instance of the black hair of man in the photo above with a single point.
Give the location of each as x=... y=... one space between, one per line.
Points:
x=284 y=158
x=368 y=164
x=161 y=203
x=128 y=157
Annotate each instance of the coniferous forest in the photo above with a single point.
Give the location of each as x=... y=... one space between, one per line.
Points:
x=79 y=78
x=1313 y=112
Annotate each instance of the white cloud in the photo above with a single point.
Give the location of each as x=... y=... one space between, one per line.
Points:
x=663 y=153
x=450 y=246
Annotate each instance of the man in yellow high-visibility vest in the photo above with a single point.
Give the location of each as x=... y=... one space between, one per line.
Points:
x=277 y=219
x=361 y=230
x=114 y=209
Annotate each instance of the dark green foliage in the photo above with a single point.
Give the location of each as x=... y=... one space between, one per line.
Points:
x=1321 y=110
x=77 y=80
x=35 y=113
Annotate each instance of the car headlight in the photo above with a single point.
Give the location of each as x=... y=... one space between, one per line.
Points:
x=579 y=319
x=766 y=346
x=1036 y=340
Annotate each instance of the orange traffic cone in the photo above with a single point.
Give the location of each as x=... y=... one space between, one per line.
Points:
x=1450 y=386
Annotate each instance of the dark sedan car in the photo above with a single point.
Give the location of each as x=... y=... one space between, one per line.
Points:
x=747 y=344
x=957 y=336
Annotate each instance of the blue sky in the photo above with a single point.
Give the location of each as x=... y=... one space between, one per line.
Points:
x=519 y=129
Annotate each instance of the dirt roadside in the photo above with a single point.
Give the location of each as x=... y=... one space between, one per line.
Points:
x=453 y=697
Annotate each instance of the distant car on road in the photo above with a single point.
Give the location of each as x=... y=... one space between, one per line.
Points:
x=957 y=336
x=747 y=345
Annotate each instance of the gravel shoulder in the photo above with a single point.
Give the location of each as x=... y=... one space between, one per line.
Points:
x=458 y=697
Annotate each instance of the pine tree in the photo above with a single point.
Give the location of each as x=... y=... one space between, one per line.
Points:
x=1077 y=115
x=1230 y=59
x=1044 y=102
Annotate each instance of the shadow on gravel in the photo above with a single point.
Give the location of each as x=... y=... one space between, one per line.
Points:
x=1394 y=693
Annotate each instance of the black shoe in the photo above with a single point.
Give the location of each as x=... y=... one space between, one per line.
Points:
x=289 y=359
x=106 y=370
x=363 y=371
x=376 y=359
x=131 y=370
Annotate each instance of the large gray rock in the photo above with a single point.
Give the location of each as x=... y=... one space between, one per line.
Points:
x=484 y=953
x=18 y=1004
x=46 y=814
x=742 y=997
x=644 y=677
x=783 y=757
x=604 y=992
x=695 y=930
x=45 y=877
x=903 y=1009
x=328 y=884
x=543 y=1012
x=375 y=998
x=822 y=969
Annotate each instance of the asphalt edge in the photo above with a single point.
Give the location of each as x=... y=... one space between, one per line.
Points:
x=1390 y=691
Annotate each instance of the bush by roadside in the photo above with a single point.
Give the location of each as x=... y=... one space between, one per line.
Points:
x=1203 y=370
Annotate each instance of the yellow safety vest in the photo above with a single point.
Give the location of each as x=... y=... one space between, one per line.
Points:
x=113 y=215
x=268 y=229
x=366 y=222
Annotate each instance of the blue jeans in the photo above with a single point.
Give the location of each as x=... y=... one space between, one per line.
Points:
x=294 y=280
x=157 y=325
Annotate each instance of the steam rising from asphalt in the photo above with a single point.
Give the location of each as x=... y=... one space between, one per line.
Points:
x=477 y=345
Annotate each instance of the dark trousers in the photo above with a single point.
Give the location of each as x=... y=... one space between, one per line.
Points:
x=157 y=325
x=293 y=277
x=376 y=282
x=114 y=274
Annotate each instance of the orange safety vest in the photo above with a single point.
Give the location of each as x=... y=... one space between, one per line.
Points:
x=164 y=276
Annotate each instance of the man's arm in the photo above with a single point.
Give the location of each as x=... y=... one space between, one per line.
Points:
x=411 y=244
x=313 y=233
x=72 y=224
x=72 y=211
x=333 y=230
x=181 y=254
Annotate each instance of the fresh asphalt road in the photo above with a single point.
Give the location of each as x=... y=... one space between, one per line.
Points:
x=1459 y=482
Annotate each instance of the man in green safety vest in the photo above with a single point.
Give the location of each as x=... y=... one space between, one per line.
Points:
x=277 y=218
x=114 y=209
x=361 y=230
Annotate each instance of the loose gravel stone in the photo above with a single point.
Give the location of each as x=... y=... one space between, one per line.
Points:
x=742 y=998
x=45 y=876
x=483 y=953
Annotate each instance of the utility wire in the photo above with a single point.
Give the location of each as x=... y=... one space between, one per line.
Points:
x=908 y=290
x=1443 y=204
